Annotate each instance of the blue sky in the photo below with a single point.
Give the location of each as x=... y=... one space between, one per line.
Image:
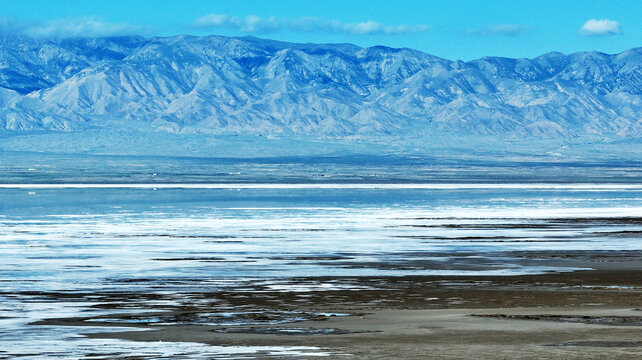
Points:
x=464 y=29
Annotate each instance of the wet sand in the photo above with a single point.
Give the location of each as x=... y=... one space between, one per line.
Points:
x=574 y=315
x=442 y=333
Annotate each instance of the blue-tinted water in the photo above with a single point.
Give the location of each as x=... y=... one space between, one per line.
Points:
x=184 y=240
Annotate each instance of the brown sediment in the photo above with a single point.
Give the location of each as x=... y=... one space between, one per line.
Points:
x=572 y=315
x=601 y=343
x=589 y=314
x=585 y=319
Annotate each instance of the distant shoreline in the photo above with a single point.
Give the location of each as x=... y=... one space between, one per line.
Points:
x=435 y=186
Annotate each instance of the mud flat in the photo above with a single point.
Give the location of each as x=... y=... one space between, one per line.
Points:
x=573 y=315
x=301 y=273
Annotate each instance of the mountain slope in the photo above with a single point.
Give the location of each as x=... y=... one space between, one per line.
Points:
x=224 y=85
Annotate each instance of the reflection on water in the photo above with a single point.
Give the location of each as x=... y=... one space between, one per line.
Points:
x=178 y=241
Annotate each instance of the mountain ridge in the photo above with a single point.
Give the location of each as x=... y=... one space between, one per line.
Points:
x=246 y=85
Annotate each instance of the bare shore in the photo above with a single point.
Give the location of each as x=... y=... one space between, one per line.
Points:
x=574 y=315
x=442 y=333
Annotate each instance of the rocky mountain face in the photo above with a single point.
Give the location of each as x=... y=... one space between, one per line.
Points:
x=224 y=85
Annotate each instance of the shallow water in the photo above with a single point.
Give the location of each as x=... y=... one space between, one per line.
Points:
x=176 y=240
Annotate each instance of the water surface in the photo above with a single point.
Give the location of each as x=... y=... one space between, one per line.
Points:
x=179 y=239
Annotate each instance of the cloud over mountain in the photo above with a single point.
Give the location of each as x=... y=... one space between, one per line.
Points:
x=600 y=27
x=80 y=27
x=500 y=29
x=257 y=24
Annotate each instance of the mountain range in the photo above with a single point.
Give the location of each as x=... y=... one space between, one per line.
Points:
x=252 y=86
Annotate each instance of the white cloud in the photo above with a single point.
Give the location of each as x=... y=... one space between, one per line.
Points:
x=86 y=27
x=8 y=25
x=600 y=27
x=363 y=28
x=91 y=26
x=249 y=24
x=256 y=24
x=500 y=29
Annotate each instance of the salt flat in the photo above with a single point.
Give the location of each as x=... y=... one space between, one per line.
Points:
x=79 y=258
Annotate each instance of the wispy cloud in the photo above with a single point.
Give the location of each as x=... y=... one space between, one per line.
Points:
x=601 y=27
x=8 y=25
x=360 y=28
x=86 y=27
x=256 y=24
x=500 y=29
x=249 y=24
x=92 y=26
